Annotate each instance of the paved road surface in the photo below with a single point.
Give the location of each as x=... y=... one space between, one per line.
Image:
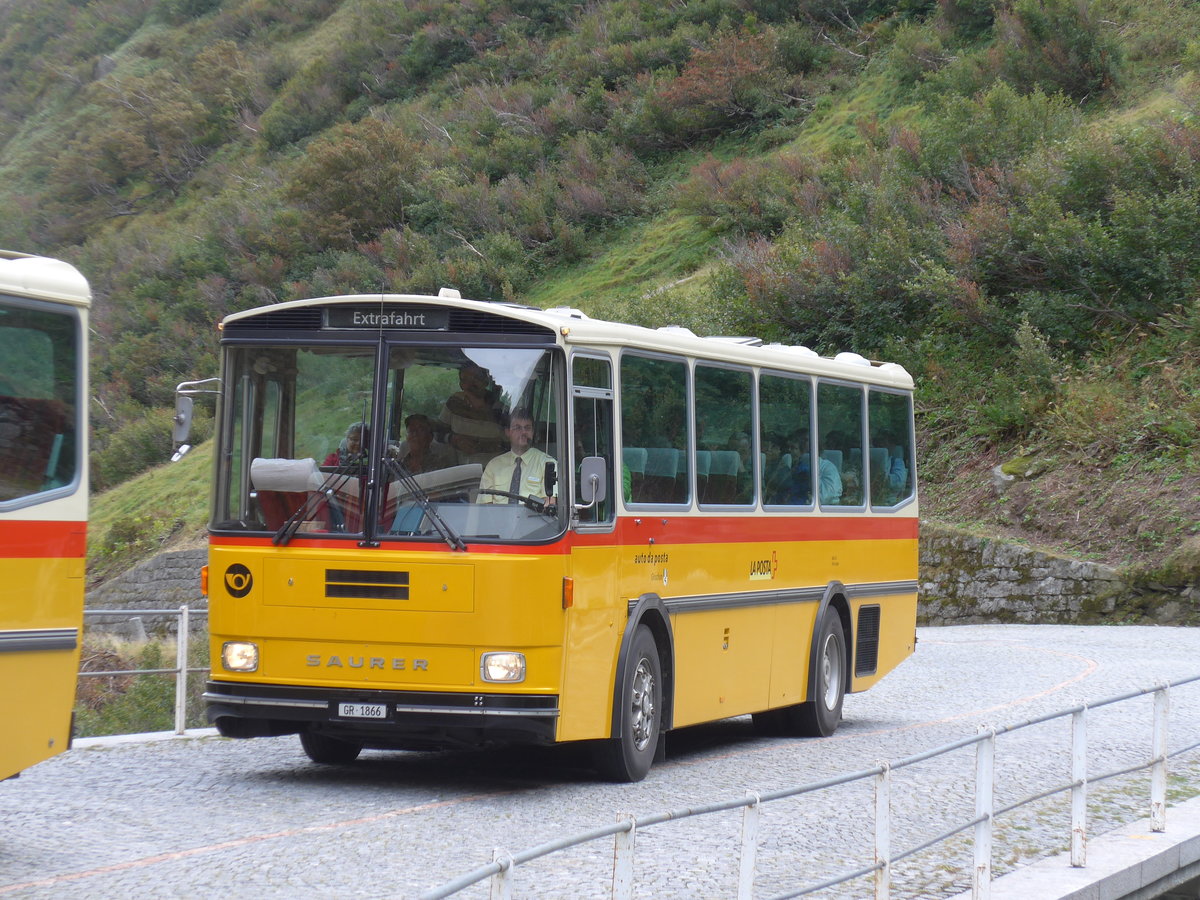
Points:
x=208 y=817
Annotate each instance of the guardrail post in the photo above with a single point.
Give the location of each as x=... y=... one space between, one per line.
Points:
x=1079 y=788
x=501 y=887
x=883 y=831
x=1158 y=772
x=985 y=755
x=622 y=883
x=181 y=673
x=750 y=817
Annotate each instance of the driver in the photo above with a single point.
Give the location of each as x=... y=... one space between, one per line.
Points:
x=521 y=469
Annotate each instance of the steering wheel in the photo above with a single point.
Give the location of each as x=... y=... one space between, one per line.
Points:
x=546 y=509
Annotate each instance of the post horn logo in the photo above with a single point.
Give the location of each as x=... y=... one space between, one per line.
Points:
x=238 y=580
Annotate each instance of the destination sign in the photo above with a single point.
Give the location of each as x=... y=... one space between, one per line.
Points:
x=388 y=318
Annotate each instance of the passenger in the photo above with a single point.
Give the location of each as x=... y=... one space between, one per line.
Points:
x=353 y=447
x=830 y=486
x=419 y=452
x=897 y=473
x=838 y=484
x=829 y=489
x=470 y=416
x=520 y=470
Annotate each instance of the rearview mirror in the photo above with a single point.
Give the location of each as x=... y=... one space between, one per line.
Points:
x=593 y=481
x=183 y=419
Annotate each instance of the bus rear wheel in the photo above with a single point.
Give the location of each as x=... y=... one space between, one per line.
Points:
x=328 y=751
x=628 y=756
x=820 y=716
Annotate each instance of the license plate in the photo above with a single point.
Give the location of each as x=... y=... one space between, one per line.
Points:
x=362 y=710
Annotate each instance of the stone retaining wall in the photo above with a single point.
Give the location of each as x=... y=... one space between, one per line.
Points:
x=166 y=581
x=965 y=579
x=968 y=580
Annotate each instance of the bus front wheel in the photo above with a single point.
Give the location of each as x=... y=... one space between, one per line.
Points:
x=627 y=756
x=328 y=751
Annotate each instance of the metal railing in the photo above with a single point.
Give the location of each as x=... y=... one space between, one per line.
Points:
x=181 y=669
x=501 y=870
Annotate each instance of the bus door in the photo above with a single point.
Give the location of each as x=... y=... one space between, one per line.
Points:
x=596 y=615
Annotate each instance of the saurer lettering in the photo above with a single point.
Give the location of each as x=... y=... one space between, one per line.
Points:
x=396 y=663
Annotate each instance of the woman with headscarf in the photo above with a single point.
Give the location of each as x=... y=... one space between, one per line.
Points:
x=353 y=447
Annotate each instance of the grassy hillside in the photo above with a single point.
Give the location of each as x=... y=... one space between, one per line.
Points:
x=164 y=508
x=1003 y=196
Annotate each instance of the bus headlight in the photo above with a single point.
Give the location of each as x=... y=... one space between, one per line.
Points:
x=503 y=666
x=239 y=656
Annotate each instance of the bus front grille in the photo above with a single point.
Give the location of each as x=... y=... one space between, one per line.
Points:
x=345 y=584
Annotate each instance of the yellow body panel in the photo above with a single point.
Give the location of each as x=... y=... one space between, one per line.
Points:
x=897 y=638
x=722 y=663
x=458 y=607
x=39 y=683
x=736 y=658
x=595 y=624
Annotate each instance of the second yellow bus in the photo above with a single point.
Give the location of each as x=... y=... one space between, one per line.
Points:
x=440 y=522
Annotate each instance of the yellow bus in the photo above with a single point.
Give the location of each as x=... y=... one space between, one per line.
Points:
x=43 y=502
x=699 y=528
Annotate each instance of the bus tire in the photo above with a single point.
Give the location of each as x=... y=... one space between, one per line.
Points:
x=328 y=751
x=820 y=716
x=627 y=757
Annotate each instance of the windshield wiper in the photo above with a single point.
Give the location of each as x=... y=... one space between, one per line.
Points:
x=406 y=477
x=340 y=475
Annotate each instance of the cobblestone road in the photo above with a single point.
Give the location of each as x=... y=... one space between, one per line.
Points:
x=208 y=817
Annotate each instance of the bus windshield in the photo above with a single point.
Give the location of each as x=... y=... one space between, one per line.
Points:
x=439 y=443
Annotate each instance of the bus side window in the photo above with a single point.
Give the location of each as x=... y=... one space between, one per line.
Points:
x=785 y=422
x=592 y=391
x=654 y=402
x=839 y=444
x=890 y=418
x=37 y=403
x=724 y=424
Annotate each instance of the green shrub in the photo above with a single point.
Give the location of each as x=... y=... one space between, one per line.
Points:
x=1141 y=400
x=136 y=445
x=970 y=19
x=1057 y=45
x=997 y=128
x=746 y=196
x=916 y=52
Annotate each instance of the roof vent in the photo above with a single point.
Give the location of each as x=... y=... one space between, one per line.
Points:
x=894 y=369
x=852 y=359
x=449 y=294
x=677 y=329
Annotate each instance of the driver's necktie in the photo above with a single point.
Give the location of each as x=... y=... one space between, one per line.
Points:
x=514 y=486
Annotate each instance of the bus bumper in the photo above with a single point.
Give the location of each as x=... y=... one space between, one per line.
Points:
x=410 y=720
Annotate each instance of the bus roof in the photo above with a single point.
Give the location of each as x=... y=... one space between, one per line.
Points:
x=578 y=329
x=43 y=278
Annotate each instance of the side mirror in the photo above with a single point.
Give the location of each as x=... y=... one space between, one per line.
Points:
x=183 y=419
x=593 y=482
x=181 y=422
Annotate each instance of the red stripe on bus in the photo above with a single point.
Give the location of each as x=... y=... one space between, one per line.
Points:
x=42 y=540
x=676 y=530
x=759 y=529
